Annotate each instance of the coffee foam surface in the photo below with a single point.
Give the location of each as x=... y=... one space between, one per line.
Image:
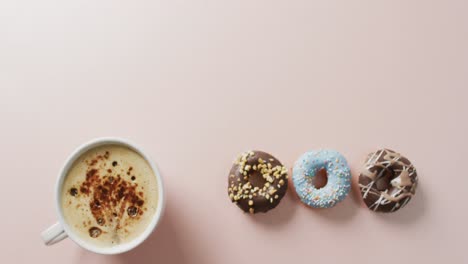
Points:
x=109 y=195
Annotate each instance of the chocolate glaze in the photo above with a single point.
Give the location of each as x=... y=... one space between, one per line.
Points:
x=253 y=189
x=387 y=181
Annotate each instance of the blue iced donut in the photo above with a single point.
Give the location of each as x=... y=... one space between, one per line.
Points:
x=339 y=178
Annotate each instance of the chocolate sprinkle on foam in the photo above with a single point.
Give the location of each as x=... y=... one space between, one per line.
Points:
x=111 y=196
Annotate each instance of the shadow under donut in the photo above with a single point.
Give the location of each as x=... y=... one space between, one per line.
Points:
x=411 y=213
x=280 y=215
x=355 y=192
x=341 y=212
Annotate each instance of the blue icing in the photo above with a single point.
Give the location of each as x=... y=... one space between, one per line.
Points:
x=339 y=178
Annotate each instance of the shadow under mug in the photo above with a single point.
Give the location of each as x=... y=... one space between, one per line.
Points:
x=62 y=230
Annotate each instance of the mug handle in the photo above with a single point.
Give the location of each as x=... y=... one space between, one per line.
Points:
x=53 y=234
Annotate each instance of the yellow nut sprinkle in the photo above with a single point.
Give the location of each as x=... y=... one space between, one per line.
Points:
x=250 y=202
x=251 y=210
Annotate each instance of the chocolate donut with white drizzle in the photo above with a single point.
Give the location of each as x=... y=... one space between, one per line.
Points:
x=388 y=181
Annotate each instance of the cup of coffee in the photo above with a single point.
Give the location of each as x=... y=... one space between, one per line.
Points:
x=109 y=197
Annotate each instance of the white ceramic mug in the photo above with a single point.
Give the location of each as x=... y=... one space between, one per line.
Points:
x=61 y=229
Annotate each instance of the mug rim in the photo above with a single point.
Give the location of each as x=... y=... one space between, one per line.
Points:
x=121 y=248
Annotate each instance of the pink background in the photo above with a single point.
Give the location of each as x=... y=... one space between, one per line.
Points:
x=197 y=82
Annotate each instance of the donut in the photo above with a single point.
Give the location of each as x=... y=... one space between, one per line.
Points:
x=257 y=182
x=387 y=181
x=305 y=173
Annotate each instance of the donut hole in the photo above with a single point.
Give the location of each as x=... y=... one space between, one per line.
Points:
x=320 y=179
x=383 y=182
x=256 y=180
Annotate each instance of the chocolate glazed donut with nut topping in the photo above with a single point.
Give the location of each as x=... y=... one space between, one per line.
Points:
x=388 y=181
x=257 y=182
